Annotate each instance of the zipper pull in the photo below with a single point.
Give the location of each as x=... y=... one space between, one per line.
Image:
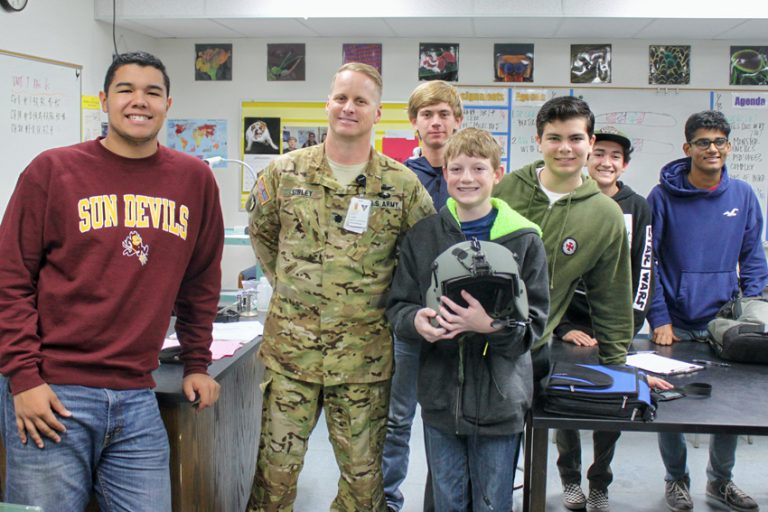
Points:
x=573 y=388
x=624 y=402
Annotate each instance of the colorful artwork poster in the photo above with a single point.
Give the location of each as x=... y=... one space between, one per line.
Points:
x=591 y=63
x=366 y=53
x=203 y=138
x=749 y=65
x=439 y=61
x=513 y=62
x=213 y=62
x=286 y=62
x=297 y=137
x=669 y=65
x=261 y=135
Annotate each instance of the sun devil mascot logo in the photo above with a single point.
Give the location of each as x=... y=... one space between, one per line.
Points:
x=133 y=245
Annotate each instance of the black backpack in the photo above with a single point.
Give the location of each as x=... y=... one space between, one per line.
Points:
x=739 y=332
x=598 y=391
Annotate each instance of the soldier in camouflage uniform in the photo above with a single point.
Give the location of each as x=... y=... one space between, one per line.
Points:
x=325 y=222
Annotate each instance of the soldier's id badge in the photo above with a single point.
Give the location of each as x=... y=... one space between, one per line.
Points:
x=357 y=215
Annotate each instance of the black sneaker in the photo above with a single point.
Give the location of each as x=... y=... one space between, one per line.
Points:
x=573 y=497
x=598 y=501
x=726 y=492
x=678 y=496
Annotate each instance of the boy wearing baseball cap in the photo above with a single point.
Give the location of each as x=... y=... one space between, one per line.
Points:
x=607 y=162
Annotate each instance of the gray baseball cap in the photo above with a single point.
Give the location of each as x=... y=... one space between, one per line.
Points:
x=613 y=134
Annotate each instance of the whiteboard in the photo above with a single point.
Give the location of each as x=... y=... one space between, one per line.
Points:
x=655 y=121
x=510 y=115
x=747 y=113
x=525 y=106
x=39 y=110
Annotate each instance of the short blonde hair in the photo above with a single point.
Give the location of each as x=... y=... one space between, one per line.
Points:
x=473 y=142
x=434 y=92
x=365 y=69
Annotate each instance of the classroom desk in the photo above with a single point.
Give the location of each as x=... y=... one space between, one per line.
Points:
x=213 y=454
x=738 y=405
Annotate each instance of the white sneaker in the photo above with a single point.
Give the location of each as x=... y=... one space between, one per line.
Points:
x=598 y=501
x=573 y=497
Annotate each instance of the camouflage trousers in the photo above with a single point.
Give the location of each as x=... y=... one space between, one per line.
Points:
x=356 y=415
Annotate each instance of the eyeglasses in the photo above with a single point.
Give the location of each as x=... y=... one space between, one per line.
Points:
x=719 y=143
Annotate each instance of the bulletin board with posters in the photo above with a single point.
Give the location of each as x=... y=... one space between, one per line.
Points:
x=270 y=129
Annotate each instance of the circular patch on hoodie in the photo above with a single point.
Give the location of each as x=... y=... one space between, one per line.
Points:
x=569 y=246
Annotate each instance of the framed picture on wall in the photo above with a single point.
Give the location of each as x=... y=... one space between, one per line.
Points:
x=213 y=62
x=749 y=65
x=261 y=135
x=439 y=61
x=513 y=63
x=591 y=63
x=286 y=62
x=669 y=65
x=366 y=53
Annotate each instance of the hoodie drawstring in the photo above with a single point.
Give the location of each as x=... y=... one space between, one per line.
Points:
x=560 y=238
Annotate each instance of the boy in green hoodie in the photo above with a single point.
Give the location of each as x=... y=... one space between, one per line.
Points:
x=585 y=238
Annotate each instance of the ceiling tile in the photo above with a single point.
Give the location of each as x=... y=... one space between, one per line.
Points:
x=186 y=28
x=268 y=27
x=350 y=27
x=516 y=28
x=686 y=28
x=601 y=28
x=756 y=30
x=442 y=29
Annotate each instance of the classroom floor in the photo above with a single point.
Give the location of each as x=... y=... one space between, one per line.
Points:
x=638 y=473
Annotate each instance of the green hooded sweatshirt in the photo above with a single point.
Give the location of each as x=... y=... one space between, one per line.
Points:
x=584 y=237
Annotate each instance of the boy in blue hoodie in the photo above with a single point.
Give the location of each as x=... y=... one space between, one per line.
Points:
x=696 y=207
x=475 y=376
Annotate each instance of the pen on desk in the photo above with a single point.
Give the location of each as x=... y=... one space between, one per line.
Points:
x=641 y=352
x=711 y=363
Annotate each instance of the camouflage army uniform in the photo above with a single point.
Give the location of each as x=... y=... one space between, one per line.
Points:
x=326 y=339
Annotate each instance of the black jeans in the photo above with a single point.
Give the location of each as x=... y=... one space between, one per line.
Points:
x=599 y=474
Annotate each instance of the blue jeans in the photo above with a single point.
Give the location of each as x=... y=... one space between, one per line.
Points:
x=402 y=409
x=700 y=335
x=722 y=447
x=485 y=460
x=115 y=447
x=722 y=456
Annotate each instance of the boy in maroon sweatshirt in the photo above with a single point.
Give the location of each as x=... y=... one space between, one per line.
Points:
x=100 y=243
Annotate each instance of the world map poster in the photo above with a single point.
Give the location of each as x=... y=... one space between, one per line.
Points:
x=203 y=138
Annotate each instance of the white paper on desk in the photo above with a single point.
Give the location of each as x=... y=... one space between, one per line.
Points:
x=230 y=331
x=237 y=331
x=227 y=337
x=659 y=364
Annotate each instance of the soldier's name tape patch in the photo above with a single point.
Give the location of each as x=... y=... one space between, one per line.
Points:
x=303 y=192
